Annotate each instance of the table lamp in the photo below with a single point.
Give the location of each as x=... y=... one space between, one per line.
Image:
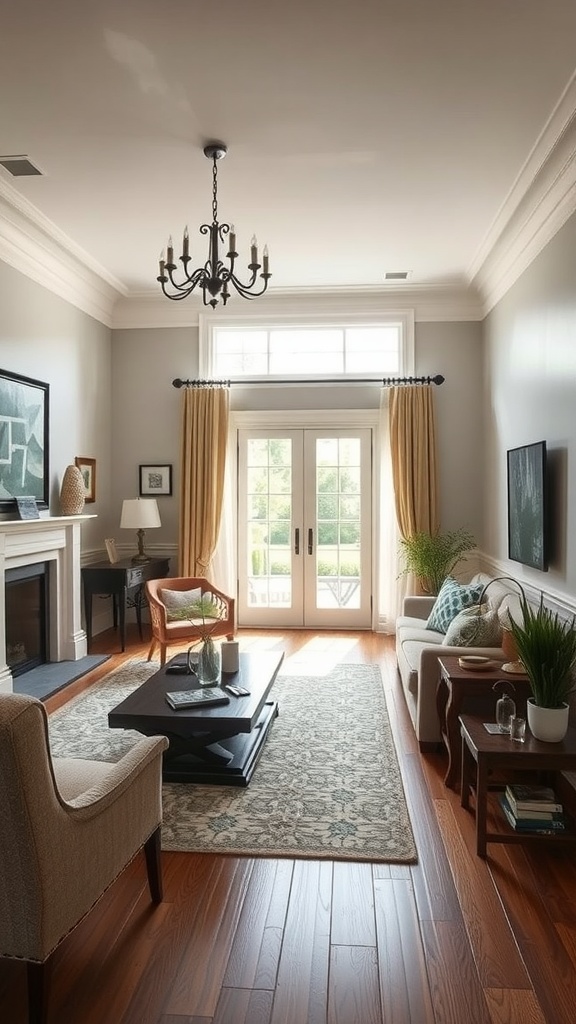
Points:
x=140 y=514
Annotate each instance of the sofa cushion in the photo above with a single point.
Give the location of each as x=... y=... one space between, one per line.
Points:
x=477 y=626
x=453 y=597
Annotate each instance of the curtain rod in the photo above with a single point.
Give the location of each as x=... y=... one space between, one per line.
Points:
x=384 y=381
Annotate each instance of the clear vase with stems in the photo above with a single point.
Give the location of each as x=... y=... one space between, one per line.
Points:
x=208 y=667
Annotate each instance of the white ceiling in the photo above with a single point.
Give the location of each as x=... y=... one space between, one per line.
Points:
x=364 y=137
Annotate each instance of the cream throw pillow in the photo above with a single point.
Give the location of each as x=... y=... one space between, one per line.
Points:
x=177 y=600
x=477 y=626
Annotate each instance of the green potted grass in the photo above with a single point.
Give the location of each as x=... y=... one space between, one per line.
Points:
x=431 y=557
x=547 y=648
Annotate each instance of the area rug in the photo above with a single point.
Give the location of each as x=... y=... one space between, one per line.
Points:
x=328 y=783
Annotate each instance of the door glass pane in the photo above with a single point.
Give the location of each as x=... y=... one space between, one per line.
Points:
x=269 y=513
x=338 y=510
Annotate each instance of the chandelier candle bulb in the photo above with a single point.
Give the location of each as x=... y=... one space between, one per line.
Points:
x=254 y=250
x=185 y=243
x=170 y=251
x=232 y=247
x=161 y=264
x=265 y=260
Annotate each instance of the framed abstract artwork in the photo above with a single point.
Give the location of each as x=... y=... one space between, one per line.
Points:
x=155 y=480
x=24 y=440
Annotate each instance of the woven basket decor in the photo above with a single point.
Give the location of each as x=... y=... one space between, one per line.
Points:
x=72 y=492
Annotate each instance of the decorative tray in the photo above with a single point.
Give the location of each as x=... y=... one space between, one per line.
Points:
x=476 y=663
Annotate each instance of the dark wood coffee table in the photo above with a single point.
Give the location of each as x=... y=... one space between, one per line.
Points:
x=218 y=745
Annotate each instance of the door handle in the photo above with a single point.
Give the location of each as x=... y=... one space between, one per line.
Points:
x=310 y=541
x=297 y=541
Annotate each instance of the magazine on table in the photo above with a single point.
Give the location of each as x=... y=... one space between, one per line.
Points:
x=209 y=697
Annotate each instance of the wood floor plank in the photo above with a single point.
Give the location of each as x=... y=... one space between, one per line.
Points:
x=498 y=961
x=404 y=987
x=302 y=986
x=255 y=952
x=354 y=994
x=455 y=989
x=210 y=939
x=353 y=921
x=244 y=1006
x=513 y=1006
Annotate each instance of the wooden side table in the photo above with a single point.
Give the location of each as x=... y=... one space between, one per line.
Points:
x=460 y=689
x=484 y=755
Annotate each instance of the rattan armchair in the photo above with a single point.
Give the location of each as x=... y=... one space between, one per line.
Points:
x=166 y=631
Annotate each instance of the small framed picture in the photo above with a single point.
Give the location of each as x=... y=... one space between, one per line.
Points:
x=155 y=480
x=88 y=469
x=111 y=549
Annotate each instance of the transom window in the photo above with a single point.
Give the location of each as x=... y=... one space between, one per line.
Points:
x=317 y=350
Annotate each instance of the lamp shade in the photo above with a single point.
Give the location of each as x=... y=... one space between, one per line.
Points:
x=140 y=514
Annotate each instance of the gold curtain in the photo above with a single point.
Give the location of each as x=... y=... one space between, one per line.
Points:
x=414 y=460
x=203 y=460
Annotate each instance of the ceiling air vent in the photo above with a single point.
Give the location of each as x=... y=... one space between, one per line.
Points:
x=396 y=275
x=19 y=166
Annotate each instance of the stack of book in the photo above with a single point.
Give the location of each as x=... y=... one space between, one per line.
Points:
x=533 y=809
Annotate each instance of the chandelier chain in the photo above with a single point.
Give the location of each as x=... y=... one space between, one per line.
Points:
x=214 y=191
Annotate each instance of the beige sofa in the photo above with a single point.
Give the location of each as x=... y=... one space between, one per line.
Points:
x=417 y=653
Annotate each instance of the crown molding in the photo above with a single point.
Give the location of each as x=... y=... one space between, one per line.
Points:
x=429 y=303
x=35 y=246
x=539 y=203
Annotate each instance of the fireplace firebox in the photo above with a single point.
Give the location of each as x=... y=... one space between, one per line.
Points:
x=27 y=625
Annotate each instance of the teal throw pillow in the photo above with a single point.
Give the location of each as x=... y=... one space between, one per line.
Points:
x=453 y=597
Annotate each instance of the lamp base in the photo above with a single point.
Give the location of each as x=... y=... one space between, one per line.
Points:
x=139 y=558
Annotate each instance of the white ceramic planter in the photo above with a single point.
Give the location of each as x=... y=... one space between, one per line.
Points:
x=547 y=724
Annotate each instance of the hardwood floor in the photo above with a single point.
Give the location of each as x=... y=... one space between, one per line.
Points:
x=450 y=940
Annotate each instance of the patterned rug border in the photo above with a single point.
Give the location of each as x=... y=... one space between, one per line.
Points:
x=292 y=799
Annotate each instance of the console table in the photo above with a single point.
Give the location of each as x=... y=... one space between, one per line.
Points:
x=119 y=579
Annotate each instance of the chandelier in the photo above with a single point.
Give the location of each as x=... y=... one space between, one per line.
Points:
x=215 y=277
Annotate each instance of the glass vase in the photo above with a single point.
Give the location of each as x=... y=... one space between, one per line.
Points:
x=208 y=668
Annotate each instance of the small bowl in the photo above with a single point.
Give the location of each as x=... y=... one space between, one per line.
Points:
x=477 y=662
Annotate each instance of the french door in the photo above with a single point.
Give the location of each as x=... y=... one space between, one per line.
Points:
x=304 y=528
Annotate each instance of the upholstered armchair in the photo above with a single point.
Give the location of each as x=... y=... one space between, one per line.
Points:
x=168 y=598
x=68 y=827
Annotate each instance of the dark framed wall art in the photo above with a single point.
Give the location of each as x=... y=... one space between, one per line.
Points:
x=155 y=480
x=24 y=440
x=88 y=469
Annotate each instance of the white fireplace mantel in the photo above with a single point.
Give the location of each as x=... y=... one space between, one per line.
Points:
x=57 y=540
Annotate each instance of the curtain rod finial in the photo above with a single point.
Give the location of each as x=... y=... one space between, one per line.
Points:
x=177 y=383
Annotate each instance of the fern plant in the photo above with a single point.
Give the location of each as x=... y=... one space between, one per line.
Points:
x=431 y=557
x=547 y=649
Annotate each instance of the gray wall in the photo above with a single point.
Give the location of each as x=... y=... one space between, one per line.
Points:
x=44 y=337
x=146 y=412
x=530 y=395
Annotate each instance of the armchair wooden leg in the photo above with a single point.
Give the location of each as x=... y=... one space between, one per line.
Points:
x=38 y=978
x=153 y=856
x=151 y=648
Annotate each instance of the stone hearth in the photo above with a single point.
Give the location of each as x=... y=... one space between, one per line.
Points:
x=56 y=540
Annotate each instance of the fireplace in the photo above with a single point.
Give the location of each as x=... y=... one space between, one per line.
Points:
x=27 y=627
x=54 y=543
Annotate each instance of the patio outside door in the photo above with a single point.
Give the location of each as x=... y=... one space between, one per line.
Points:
x=304 y=528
